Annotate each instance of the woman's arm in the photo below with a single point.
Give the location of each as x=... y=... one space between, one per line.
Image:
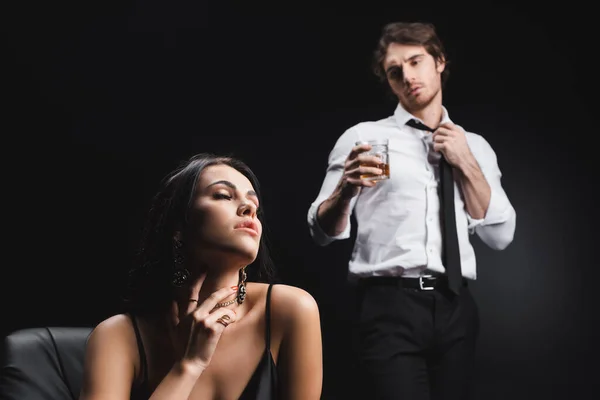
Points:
x=109 y=367
x=300 y=359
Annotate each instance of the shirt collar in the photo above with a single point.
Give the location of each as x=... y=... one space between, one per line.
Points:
x=402 y=116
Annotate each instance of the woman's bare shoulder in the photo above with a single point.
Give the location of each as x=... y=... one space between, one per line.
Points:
x=293 y=304
x=287 y=297
x=116 y=330
x=114 y=324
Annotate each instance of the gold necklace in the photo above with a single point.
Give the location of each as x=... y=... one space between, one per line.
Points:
x=226 y=303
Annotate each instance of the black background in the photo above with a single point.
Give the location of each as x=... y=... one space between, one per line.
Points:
x=102 y=100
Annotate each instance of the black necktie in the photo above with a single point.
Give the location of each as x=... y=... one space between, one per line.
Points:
x=451 y=251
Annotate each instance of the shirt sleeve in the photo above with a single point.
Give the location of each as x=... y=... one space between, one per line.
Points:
x=497 y=228
x=335 y=169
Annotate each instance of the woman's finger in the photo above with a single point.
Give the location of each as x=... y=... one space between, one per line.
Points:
x=216 y=297
x=192 y=301
x=222 y=317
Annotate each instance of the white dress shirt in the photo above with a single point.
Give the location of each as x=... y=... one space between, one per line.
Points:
x=398 y=232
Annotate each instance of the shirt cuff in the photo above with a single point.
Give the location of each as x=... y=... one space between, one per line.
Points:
x=498 y=212
x=318 y=234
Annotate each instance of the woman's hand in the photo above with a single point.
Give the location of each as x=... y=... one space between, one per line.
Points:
x=198 y=327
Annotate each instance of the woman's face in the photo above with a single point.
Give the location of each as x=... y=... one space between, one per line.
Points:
x=223 y=217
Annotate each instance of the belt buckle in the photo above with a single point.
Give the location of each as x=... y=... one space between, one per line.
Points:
x=428 y=278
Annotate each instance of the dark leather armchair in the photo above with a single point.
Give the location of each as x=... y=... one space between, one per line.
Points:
x=43 y=363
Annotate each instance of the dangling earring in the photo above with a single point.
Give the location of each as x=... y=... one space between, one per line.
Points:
x=241 y=292
x=181 y=275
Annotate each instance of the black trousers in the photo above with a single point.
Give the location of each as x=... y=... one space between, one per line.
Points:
x=413 y=344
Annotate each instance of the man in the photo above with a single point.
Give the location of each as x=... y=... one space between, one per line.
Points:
x=412 y=260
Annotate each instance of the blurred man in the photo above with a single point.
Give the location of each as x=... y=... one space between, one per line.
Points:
x=417 y=323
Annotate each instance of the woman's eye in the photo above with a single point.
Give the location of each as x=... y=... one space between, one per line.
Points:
x=222 y=196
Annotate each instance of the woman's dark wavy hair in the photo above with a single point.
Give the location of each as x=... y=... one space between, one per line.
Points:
x=149 y=287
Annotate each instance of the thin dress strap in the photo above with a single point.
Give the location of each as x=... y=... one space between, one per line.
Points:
x=141 y=351
x=268 y=318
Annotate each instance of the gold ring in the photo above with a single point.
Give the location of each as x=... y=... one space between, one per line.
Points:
x=220 y=320
x=195 y=300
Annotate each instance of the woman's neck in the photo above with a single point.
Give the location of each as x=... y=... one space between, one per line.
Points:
x=213 y=282
x=208 y=278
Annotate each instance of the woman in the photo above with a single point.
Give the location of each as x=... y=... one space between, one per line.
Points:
x=196 y=329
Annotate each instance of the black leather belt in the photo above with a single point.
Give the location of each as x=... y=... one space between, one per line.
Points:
x=425 y=282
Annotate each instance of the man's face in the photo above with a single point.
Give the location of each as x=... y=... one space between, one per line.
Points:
x=413 y=75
